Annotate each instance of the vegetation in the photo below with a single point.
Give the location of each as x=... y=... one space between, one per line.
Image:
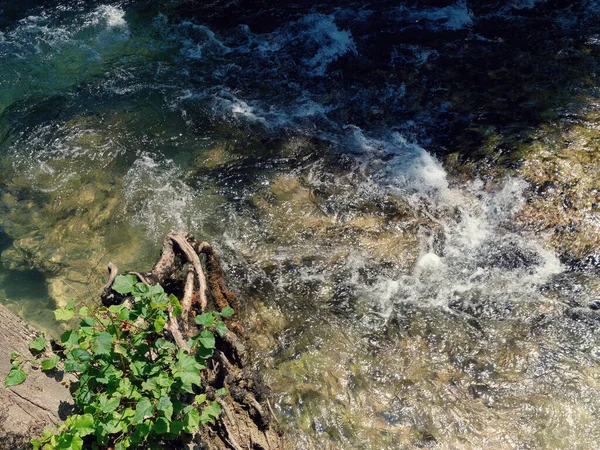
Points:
x=135 y=388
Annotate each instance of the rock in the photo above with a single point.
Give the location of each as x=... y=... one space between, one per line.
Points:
x=41 y=401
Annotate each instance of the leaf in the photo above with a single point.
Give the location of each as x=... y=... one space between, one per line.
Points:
x=227 y=311
x=112 y=426
x=102 y=344
x=111 y=404
x=50 y=363
x=177 y=308
x=141 y=289
x=143 y=410
x=84 y=311
x=63 y=314
x=159 y=324
x=161 y=426
x=124 y=284
x=74 y=366
x=121 y=350
x=77 y=360
x=142 y=430
x=188 y=372
x=15 y=376
x=116 y=308
x=69 y=338
x=210 y=413
x=199 y=399
x=84 y=424
x=68 y=441
x=124 y=314
x=221 y=328
x=165 y=406
x=207 y=339
x=205 y=319
x=38 y=344
x=191 y=421
x=203 y=353
x=87 y=325
x=222 y=391
x=80 y=354
x=123 y=444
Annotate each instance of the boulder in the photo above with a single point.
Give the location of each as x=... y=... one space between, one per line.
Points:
x=43 y=400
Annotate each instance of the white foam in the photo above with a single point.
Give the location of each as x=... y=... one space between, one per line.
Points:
x=479 y=253
x=453 y=17
x=332 y=42
x=157 y=198
x=113 y=16
x=408 y=168
x=199 y=41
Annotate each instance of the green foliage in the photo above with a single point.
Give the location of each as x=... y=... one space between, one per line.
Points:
x=16 y=375
x=135 y=389
x=38 y=344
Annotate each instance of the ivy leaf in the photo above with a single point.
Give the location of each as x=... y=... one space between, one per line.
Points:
x=124 y=284
x=74 y=366
x=111 y=404
x=177 y=308
x=221 y=328
x=68 y=441
x=121 y=350
x=161 y=426
x=207 y=339
x=102 y=344
x=84 y=424
x=210 y=413
x=188 y=372
x=80 y=354
x=15 y=376
x=141 y=289
x=205 y=319
x=69 y=338
x=63 y=314
x=191 y=421
x=112 y=426
x=50 y=363
x=143 y=410
x=38 y=344
x=227 y=311
x=87 y=325
x=77 y=360
x=165 y=406
x=200 y=398
x=222 y=391
x=159 y=324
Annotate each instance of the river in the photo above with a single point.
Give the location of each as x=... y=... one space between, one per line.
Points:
x=404 y=195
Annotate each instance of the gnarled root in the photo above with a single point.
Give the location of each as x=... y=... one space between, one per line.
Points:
x=245 y=421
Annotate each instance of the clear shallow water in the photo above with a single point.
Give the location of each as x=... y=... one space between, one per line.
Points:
x=394 y=305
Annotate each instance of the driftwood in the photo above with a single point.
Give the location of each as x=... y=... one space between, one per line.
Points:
x=245 y=421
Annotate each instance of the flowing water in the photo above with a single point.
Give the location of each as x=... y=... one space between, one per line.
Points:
x=403 y=196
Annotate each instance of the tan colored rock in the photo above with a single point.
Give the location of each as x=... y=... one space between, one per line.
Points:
x=41 y=401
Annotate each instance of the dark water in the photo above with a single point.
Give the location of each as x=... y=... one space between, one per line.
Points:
x=377 y=178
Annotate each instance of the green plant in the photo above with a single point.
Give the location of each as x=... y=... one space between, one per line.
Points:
x=135 y=388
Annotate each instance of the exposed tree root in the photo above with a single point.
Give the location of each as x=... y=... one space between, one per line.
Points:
x=245 y=421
